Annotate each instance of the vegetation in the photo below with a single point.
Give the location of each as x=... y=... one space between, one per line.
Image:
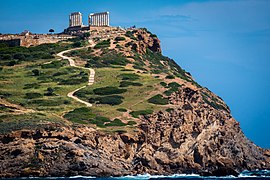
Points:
x=170 y=77
x=136 y=114
x=16 y=55
x=108 y=90
x=120 y=39
x=33 y=95
x=173 y=88
x=103 y=44
x=129 y=76
x=80 y=115
x=158 y=99
x=110 y=100
x=105 y=60
x=116 y=122
x=130 y=34
x=129 y=83
x=121 y=110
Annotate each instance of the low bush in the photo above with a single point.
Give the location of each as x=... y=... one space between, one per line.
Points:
x=173 y=88
x=158 y=99
x=121 y=110
x=169 y=110
x=120 y=39
x=116 y=122
x=33 y=95
x=170 y=77
x=163 y=84
x=53 y=64
x=130 y=35
x=32 y=86
x=110 y=100
x=129 y=83
x=47 y=102
x=131 y=123
x=108 y=90
x=129 y=76
x=103 y=44
x=80 y=115
x=136 y=114
x=99 y=121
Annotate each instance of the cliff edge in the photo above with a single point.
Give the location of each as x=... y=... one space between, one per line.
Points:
x=187 y=128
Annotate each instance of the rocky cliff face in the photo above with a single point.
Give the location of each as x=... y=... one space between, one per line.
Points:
x=192 y=138
x=197 y=135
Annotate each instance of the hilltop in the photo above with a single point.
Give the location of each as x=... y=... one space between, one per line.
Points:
x=122 y=108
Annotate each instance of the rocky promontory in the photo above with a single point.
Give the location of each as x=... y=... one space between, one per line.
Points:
x=195 y=134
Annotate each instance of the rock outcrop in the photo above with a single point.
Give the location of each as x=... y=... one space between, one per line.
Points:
x=192 y=138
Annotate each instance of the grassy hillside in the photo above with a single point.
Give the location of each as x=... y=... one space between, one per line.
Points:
x=132 y=79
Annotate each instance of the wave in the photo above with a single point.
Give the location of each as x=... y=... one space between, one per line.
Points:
x=249 y=175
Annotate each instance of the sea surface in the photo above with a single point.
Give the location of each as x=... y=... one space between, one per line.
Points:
x=249 y=175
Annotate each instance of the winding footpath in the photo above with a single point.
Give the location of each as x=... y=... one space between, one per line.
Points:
x=91 y=75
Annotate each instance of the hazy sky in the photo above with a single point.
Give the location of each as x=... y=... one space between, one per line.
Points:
x=225 y=44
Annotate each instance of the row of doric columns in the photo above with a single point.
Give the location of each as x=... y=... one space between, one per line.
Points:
x=75 y=19
x=99 y=19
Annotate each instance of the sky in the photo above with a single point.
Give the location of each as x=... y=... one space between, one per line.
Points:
x=224 y=44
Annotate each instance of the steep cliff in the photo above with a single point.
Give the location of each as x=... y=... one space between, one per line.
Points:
x=194 y=133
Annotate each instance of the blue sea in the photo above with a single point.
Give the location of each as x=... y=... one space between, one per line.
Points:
x=249 y=175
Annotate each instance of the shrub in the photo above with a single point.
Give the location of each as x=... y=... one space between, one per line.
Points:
x=99 y=121
x=116 y=122
x=31 y=86
x=111 y=100
x=158 y=99
x=131 y=123
x=103 y=44
x=129 y=83
x=169 y=110
x=129 y=76
x=121 y=110
x=120 y=39
x=77 y=44
x=47 y=102
x=53 y=64
x=130 y=35
x=79 y=115
x=170 y=77
x=33 y=95
x=108 y=90
x=50 y=92
x=36 y=72
x=75 y=79
x=12 y=63
x=136 y=114
x=174 y=85
x=173 y=88
x=163 y=84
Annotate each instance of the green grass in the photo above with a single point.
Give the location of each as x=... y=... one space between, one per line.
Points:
x=135 y=98
x=17 y=85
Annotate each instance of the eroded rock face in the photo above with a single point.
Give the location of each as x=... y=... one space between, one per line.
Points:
x=193 y=138
x=145 y=41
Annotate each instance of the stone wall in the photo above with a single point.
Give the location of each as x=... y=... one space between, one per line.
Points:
x=32 y=39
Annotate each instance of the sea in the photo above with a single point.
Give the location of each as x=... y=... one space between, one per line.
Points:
x=249 y=175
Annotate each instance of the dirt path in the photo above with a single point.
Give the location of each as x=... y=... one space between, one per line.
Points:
x=91 y=78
